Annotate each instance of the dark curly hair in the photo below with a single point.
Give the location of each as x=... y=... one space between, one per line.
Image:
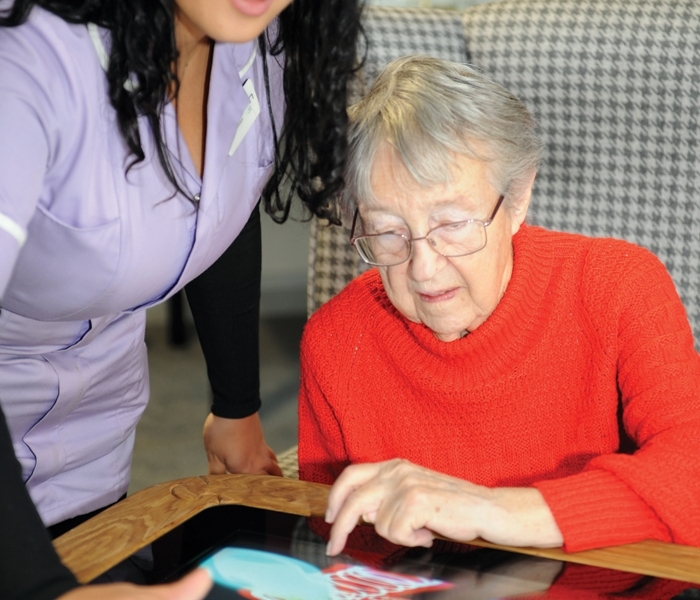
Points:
x=318 y=39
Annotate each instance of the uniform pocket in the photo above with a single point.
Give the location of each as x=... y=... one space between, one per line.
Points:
x=62 y=269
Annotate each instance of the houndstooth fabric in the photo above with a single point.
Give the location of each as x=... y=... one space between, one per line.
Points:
x=391 y=33
x=333 y=262
x=615 y=87
x=288 y=461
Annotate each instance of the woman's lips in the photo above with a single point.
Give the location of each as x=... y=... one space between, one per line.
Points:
x=440 y=296
x=251 y=8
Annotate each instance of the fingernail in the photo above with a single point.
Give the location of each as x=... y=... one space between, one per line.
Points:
x=328 y=549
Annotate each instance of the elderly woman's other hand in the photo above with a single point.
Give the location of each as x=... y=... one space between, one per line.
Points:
x=409 y=505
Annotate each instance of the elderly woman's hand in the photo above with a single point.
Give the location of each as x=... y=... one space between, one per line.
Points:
x=409 y=504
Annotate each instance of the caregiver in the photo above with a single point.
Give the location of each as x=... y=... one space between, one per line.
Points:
x=135 y=141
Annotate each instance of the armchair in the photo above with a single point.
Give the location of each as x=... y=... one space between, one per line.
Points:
x=614 y=85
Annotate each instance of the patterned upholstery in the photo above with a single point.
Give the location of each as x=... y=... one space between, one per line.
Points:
x=289 y=462
x=615 y=87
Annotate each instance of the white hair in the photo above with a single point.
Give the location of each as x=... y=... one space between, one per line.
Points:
x=430 y=110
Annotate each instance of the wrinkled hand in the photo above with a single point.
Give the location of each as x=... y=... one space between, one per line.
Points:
x=194 y=586
x=238 y=446
x=409 y=504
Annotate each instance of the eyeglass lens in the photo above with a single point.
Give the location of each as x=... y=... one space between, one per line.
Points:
x=451 y=240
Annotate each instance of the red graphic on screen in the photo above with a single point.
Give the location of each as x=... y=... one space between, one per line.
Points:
x=357 y=582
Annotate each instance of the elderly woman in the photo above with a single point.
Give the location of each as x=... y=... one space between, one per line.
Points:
x=486 y=378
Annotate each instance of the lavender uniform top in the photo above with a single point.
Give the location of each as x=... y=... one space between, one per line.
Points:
x=85 y=247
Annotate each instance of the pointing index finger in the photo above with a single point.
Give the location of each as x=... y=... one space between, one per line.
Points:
x=352 y=478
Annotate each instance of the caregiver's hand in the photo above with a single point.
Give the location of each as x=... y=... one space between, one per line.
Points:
x=238 y=446
x=409 y=504
x=194 y=586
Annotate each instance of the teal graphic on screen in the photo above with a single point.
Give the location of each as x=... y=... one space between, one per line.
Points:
x=261 y=575
x=268 y=575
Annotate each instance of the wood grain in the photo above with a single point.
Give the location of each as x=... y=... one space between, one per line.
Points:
x=105 y=540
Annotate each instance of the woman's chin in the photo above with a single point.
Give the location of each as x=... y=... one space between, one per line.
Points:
x=443 y=327
x=452 y=330
x=449 y=337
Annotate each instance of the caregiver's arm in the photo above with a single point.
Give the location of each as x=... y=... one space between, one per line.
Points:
x=225 y=302
x=408 y=504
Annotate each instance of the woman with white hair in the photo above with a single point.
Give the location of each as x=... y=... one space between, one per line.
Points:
x=477 y=378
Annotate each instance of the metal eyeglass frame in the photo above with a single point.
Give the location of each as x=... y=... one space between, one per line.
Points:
x=485 y=224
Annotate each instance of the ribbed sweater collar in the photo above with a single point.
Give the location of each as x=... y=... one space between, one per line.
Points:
x=500 y=343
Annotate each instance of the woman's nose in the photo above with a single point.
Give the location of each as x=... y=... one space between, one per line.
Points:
x=425 y=261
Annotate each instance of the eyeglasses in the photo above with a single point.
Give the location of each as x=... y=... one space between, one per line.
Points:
x=451 y=240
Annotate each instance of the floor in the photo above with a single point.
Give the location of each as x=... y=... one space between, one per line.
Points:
x=169 y=437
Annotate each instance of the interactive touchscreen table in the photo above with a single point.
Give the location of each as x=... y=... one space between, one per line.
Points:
x=250 y=533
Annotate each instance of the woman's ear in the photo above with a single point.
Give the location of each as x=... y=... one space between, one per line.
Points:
x=518 y=206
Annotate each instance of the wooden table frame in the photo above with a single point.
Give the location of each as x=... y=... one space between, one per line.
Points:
x=105 y=540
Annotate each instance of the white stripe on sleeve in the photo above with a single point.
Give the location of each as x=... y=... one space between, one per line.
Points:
x=13 y=228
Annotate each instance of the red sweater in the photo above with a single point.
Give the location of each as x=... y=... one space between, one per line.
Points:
x=531 y=397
